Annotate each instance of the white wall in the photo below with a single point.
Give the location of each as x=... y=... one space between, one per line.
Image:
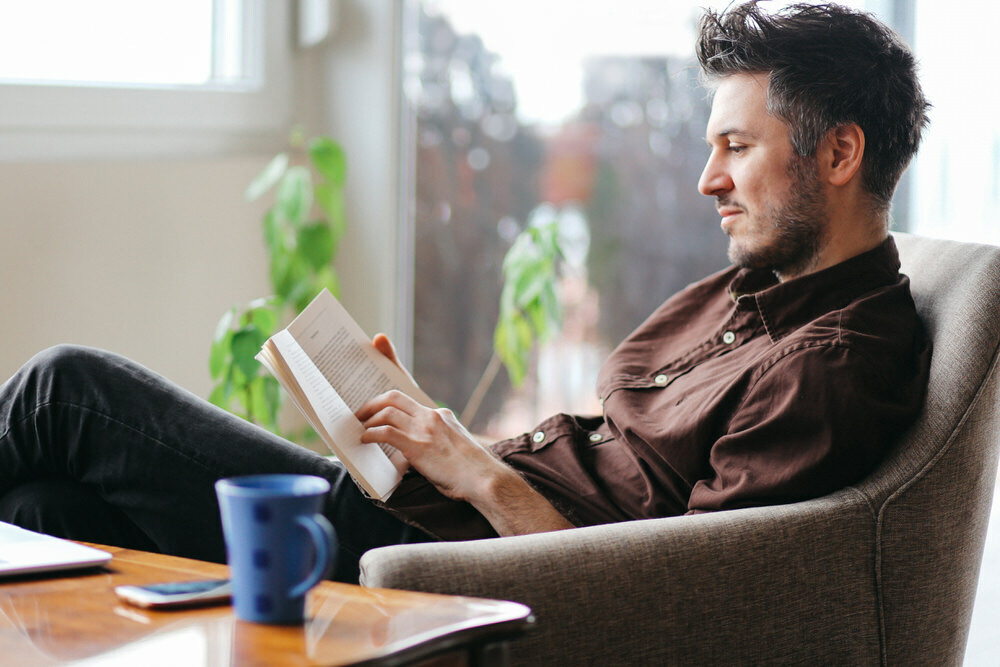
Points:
x=142 y=257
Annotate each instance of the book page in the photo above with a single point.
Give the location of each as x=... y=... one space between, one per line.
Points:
x=346 y=357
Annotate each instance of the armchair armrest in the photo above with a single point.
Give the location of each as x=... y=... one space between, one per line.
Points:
x=728 y=587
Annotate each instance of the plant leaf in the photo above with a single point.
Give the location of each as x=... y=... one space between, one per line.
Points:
x=225 y=322
x=329 y=159
x=315 y=244
x=331 y=201
x=264 y=302
x=273 y=231
x=293 y=199
x=325 y=277
x=289 y=272
x=261 y=408
x=530 y=285
x=552 y=311
x=271 y=174
x=272 y=395
x=219 y=356
x=220 y=396
x=246 y=344
x=512 y=342
x=302 y=293
x=264 y=319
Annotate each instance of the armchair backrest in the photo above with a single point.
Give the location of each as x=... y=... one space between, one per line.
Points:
x=931 y=496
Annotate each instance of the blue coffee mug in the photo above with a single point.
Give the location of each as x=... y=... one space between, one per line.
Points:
x=278 y=545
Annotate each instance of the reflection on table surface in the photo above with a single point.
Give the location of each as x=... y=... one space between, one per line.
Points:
x=78 y=619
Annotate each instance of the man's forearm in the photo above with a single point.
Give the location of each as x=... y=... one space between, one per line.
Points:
x=514 y=507
x=450 y=458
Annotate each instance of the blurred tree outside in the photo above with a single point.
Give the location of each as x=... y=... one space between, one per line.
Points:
x=623 y=169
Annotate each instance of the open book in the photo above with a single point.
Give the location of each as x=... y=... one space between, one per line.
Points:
x=330 y=368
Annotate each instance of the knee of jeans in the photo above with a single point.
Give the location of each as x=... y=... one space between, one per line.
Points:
x=64 y=356
x=66 y=360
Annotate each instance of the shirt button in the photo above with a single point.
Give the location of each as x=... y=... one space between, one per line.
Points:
x=728 y=337
x=538 y=436
x=660 y=379
x=596 y=437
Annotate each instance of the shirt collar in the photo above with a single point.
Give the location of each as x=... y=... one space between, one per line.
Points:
x=788 y=305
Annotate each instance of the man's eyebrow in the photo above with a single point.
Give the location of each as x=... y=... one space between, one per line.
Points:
x=737 y=131
x=733 y=130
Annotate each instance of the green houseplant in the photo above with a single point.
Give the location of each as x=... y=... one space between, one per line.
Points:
x=302 y=231
x=530 y=309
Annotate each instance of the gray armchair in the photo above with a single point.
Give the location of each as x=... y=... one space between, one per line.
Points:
x=883 y=572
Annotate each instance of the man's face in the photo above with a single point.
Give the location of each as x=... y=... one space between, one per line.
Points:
x=772 y=204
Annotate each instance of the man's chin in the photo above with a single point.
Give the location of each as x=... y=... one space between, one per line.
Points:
x=744 y=257
x=784 y=266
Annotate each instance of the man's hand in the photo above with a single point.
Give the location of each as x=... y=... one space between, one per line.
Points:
x=444 y=452
x=433 y=441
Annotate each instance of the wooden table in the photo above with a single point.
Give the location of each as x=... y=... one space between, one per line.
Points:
x=76 y=617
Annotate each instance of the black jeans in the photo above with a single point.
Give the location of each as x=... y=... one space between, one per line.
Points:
x=97 y=448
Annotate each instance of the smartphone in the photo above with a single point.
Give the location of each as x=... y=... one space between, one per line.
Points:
x=177 y=594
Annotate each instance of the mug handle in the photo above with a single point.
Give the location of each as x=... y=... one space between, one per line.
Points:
x=322 y=535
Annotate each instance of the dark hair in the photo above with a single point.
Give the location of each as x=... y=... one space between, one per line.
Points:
x=828 y=66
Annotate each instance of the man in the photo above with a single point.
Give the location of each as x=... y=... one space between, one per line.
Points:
x=782 y=378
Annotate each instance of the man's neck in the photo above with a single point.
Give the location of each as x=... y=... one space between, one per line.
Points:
x=852 y=228
x=842 y=246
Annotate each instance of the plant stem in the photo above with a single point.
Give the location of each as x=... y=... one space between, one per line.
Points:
x=479 y=393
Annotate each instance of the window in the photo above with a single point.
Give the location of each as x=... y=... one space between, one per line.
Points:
x=584 y=112
x=124 y=43
x=114 y=78
x=589 y=112
x=956 y=175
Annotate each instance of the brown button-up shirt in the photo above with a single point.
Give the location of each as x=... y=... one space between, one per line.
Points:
x=738 y=391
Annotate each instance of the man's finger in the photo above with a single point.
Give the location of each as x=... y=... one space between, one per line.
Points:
x=388 y=416
x=390 y=399
x=385 y=346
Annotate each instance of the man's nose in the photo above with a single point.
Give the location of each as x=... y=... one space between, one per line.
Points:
x=714 y=178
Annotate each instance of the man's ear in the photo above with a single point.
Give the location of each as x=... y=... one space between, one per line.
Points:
x=841 y=152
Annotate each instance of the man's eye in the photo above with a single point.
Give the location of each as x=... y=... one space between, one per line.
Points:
x=736 y=149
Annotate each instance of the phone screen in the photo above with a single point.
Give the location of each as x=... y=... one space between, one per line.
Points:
x=176 y=593
x=185 y=587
